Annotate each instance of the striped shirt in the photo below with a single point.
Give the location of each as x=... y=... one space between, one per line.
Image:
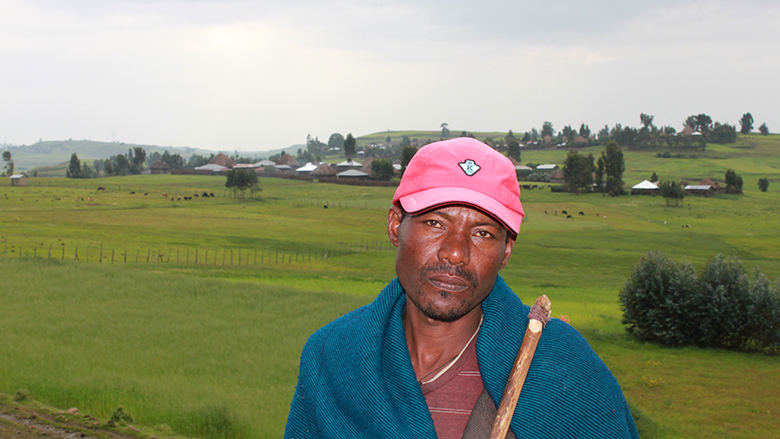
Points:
x=452 y=396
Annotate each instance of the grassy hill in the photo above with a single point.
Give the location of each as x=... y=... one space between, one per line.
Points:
x=47 y=157
x=191 y=314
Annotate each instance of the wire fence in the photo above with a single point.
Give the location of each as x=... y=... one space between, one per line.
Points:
x=100 y=254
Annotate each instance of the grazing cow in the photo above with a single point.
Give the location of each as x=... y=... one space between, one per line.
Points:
x=211 y=194
x=581 y=214
x=179 y=198
x=325 y=206
x=146 y=193
x=165 y=194
x=545 y=212
x=171 y=198
x=101 y=188
x=132 y=192
x=196 y=195
x=564 y=212
x=205 y=194
x=568 y=216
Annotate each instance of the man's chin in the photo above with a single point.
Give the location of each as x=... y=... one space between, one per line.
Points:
x=443 y=315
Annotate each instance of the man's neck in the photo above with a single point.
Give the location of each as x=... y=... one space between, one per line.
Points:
x=432 y=344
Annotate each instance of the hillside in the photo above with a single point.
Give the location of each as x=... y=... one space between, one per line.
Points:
x=56 y=152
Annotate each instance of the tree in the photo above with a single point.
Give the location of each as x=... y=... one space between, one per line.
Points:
x=349 y=147
x=672 y=192
x=445 y=130
x=108 y=168
x=578 y=171
x=614 y=166
x=382 y=169
x=9 y=163
x=547 y=129
x=598 y=181
x=407 y=153
x=654 y=177
x=763 y=184
x=733 y=182
x=763 y=129
x=136 y=157
x=723 y=133
x=703 y=123
x=336 y=140
x=513 y=149
x=175 y=161
x=603 y=135
x=584 y=131
x=241 y=179
x=746 y=123
x=647 y=120
x=74 y=168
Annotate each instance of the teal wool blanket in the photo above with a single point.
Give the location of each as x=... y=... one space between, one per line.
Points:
x=356 y=377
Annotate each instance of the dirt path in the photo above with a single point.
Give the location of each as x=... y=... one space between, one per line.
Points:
x=22 y=422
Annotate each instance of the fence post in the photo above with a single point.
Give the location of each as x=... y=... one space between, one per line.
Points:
x=206 y=260
x=76 y=255
x=148 y=254
x=87 y=258
x=101 y=252
x=239 y=257
x=112 y=256
x=63 y=253
x=49 y=257
x=196 y=256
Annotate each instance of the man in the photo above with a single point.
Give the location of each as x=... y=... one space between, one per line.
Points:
x=430 y=357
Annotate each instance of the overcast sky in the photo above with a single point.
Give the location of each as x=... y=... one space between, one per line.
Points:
x=259 y=75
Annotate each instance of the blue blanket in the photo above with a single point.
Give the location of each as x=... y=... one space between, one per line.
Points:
x=356 y=378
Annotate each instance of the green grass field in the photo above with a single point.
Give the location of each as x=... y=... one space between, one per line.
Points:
x=211 y=349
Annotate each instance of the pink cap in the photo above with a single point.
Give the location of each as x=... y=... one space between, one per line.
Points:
x=462 y=171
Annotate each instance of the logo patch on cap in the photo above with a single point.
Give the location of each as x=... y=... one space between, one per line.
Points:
x=469 y=167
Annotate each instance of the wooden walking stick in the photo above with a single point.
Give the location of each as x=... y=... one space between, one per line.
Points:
x=538 y=317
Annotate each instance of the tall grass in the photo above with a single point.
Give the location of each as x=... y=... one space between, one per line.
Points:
x=200 y=355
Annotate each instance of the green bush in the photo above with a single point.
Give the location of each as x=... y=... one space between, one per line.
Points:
x=664 y=301
x=660 y=301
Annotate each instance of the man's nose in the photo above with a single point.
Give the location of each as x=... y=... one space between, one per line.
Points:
x=455 y=249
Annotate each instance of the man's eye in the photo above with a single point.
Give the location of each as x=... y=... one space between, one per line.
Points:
x=484 y=234
x=433 y=223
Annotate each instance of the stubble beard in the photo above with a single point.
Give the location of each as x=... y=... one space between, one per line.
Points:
x=455 y=312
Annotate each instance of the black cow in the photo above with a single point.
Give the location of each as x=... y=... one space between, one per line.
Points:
x=582 y=214
x=564 y=212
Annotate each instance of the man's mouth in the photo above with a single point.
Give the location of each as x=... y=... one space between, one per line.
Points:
x=452 y=284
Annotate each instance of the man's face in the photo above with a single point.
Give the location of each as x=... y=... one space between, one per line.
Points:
x=448 y=258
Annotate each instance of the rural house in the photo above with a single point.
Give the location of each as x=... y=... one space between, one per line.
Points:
x=19 y=180
x=646 y=187
x=222 y=160
x=160 y=167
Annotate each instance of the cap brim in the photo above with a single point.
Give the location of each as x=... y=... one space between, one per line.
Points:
x=440 y=196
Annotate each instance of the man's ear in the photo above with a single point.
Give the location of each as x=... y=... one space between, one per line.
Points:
x=510 y=244
x=394 y=218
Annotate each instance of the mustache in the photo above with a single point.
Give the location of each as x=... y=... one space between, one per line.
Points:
x=451 y=270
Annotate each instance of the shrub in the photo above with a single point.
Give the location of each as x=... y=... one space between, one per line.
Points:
x=664 y=301
x=725 y=289
x=763 y=184
x=660 y=301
